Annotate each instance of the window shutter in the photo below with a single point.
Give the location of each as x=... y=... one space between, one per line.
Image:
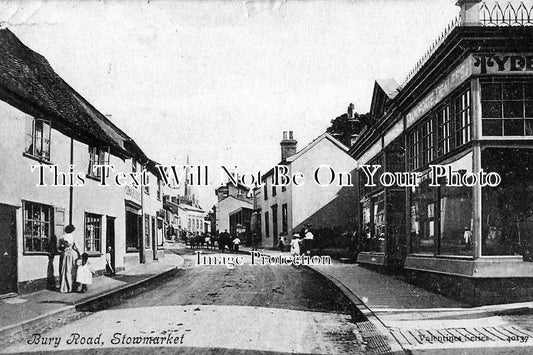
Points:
x=59 y=227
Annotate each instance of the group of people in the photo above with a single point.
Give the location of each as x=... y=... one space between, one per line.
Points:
x=75 y=270
x=301 y=243
x=225 y=239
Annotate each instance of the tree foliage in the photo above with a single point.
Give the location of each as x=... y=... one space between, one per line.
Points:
x=343 y=126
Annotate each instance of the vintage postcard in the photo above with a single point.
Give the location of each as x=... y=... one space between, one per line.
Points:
x=266 y=177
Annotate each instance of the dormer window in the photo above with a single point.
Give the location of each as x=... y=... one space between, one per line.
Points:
x=97 y=156
x=38 y=133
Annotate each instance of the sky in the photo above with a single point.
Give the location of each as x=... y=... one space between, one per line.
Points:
x=221 y=80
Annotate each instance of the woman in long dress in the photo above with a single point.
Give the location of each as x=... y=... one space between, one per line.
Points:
x=67 y=267
x=295 y=245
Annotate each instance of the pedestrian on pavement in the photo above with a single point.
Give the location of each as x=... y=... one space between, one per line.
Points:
x=207 y=241
x=281 y=244
x=84 y=273
x=295 y=245
x=229 y=241
x=236 y=243
x=109 y=263
x=223 y=240
x=69 y=254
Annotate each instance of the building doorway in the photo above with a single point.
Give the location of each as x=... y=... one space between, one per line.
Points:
x=8 y=249
x=154 y=239
x=275 y=225
x=110 y=239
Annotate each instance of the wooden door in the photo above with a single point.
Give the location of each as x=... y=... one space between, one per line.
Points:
x=8 y=249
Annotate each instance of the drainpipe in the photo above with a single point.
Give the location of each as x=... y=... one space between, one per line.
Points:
x=71 y=188
x=143 y=227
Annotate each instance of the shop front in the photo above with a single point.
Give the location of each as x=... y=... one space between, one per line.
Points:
x=467 y=109
x=473 y=234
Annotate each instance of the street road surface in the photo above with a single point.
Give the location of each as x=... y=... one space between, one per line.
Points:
x=213 y=309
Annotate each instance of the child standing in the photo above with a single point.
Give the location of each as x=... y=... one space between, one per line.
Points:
x=84 y=274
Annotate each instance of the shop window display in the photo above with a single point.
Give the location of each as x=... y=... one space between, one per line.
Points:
x=507 y=210
x=456 y=221
x=373 y=234
x=423 y=219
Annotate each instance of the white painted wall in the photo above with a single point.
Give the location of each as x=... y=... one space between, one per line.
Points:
x=19 y=183
x=224 y=208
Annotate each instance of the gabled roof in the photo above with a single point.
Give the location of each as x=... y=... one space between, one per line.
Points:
x=385 y=90
x=389 y=87
x=315 y=141
x=28 y=82
x=298 y=154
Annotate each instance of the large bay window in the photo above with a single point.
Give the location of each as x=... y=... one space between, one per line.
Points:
x=423 y=219
x=507 y=108
x=463 y=119
x=444 y=131
x=507 y=210
x=455 y=234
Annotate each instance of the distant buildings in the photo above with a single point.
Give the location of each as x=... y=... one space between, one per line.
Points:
x=230 y=199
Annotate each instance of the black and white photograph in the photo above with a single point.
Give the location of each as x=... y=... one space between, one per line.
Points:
x=266 y=177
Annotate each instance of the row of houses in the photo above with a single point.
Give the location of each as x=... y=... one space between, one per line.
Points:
x=49 y=129
x=468 y=107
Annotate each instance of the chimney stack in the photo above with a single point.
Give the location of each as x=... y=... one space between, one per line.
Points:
x=288 y=145
x=469 y=12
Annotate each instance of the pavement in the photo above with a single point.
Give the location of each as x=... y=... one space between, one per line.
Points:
x=424 y=322
x=34 y=310
x=412 y=320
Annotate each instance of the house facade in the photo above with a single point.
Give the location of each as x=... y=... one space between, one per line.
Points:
x=319 y=198
x=468 y=109
x=51 y=140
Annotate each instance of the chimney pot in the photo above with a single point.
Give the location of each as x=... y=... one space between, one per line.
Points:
x=288 y=146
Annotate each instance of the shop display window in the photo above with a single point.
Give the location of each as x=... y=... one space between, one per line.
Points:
x=507 y=210
x=423 y=219
x=456 y=221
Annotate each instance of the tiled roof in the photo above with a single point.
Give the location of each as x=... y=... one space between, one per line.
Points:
x=28 y=82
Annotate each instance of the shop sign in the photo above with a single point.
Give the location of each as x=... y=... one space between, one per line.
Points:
x=443 y=88
x=502 y=63
x=133 y=193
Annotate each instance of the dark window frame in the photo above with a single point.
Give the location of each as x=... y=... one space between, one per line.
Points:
x=26 y=217
x=500 y=102
x=32 y=139
x=463 y=117
x=97 y=156
x=92 y=239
